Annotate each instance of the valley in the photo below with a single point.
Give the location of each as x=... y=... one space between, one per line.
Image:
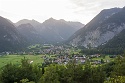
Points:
x=64 y=60
x=60 y=51
x=49 y=54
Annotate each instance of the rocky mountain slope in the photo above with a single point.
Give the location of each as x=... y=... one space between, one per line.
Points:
x=107 y=24
x=117 y=42
x=10 y=39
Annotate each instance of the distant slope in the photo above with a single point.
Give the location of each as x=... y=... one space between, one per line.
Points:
x=34 y=23
x=57 y=30
x=28 y=31
x=10 y=39
x=99 y=30
x=52 y=30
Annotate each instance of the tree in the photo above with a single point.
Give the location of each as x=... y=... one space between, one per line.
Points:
x=102 y=61
x=119 y=66
x=10 y=74
x=70 y=73
x=74 y=73
x=13 y=73
x=51 y=75
x=117 y=79
x=26 y=81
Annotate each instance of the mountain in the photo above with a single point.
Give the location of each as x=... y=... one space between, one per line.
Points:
x=10 y=39
x=116 y=42
x=100 y=29
x=33 y=22
x=52 y=30
x=28 y=31
x=58 y=30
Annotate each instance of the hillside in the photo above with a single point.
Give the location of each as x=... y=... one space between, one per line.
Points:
x=28 y=31
x=100 y=29
x=117 y=42
x=53 y=30
x=10 y=39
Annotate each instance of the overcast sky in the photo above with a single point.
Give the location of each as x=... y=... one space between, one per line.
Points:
x=69 y=10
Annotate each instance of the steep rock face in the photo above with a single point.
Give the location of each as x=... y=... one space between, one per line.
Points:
x=10 y=39
x=98 y=37
x=117 y=42
x=101 y=29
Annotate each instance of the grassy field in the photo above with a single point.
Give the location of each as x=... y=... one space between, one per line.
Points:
x=16 y=59
x=106 y=58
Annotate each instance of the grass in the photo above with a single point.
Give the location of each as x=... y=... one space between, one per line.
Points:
x=106 y=58
x=73 y=51
x=16 y=59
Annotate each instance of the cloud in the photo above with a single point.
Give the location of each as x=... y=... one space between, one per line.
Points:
x=96 y=5
x=84 y=3
x=76 y=10
x=90 y=8
x=103 y=3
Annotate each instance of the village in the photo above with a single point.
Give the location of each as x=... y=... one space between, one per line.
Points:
x=65 y=54
x=61 y=55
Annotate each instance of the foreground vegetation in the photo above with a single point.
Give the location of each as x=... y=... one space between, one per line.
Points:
x=112 y=72
x=60 y=64
x=15 y=59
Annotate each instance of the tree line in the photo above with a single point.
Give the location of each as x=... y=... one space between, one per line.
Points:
x=111 y=51
x=112 y=72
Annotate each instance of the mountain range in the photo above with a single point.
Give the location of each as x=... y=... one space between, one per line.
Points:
x=16 y=36
x=51 y=30
x=101 y=29
x=106 y=30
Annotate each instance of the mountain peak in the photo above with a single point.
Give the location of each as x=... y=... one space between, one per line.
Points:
x=25 y=21
x=50 y=19
x=102 y=28
x=62 y=20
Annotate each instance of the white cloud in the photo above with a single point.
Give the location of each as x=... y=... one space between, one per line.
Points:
x=90 y=8
x=73 y=10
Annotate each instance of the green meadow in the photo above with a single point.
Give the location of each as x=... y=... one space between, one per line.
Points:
x=104 y=58
x=16 y=59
